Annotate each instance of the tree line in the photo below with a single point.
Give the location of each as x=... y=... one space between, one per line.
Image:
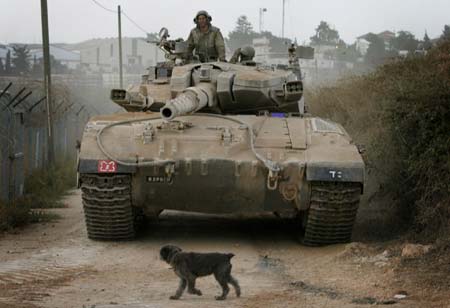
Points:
x=19 y=63
x=378 y=51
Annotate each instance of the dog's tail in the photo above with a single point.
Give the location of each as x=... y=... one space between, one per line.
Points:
x=230 y=255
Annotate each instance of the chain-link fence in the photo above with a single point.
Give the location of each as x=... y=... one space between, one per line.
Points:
x=24 y=135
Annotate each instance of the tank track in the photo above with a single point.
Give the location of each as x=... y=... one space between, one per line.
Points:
x=332 y=213
x=107 y=206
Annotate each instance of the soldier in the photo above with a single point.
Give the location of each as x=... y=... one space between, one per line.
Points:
x=243 y=55
x=206 y=40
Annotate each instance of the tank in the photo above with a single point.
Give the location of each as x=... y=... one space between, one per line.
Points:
x=218 y=138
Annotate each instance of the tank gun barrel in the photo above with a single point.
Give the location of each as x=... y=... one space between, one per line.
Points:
x=191 y=100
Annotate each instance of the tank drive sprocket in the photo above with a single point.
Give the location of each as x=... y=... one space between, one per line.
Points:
x=107 y=206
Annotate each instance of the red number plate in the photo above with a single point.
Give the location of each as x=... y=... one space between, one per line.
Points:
x=107 y=166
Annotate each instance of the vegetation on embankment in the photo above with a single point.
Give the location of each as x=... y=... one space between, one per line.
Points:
x=44 y=189
x=401 y=113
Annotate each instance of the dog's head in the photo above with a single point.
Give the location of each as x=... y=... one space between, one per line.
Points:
x=167 y=252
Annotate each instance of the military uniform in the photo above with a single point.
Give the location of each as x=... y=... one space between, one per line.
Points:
x=209 y=46
x=243 y=55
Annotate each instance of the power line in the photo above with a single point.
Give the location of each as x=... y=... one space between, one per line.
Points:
x=124 y=14
x=134 y=23
x=103 y=7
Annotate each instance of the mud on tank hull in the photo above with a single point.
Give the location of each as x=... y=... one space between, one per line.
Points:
x=211 y=164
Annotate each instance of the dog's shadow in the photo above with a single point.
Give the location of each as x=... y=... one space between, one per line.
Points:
x=175 y=225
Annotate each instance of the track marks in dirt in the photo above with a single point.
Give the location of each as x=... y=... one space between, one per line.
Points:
x=29 y=287
x=39 y=275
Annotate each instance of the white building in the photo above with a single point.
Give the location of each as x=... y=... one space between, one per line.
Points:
x=362 y=44
x=137 y=54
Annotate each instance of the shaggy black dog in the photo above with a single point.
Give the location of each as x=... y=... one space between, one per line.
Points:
x=191 y=265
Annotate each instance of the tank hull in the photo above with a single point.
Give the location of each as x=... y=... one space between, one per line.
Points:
x=211 y=164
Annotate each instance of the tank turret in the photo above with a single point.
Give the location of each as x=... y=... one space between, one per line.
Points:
x=182 y=85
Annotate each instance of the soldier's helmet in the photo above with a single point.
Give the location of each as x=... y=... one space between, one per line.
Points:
x=247 y=53
x=204 y=13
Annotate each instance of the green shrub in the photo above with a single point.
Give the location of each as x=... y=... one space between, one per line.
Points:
x=14 y=214
x=43 y=189
x=46 y=186
x=19 y=213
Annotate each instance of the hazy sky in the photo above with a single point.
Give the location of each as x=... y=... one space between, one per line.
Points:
x=77 y=20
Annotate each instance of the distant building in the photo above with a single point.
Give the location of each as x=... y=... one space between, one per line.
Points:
x=262 y=48
x=3 y=51
x=386 y=36
x=322 y=64
x=69 y=58
x=103 y=54
x=362 y=44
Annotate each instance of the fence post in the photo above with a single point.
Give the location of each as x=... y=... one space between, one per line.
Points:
x=36 y=151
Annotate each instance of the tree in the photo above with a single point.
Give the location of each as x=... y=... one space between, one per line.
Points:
x=376 y=53
x=426 y=44
x=445 y=33
x=242 y=34
x=57 y=66
x=8 y=69
x=2 y=68
x=276 y=43
x=405 y=41
x=21 y=59
x=243 y=25
x=325 y=35
x=347 y=53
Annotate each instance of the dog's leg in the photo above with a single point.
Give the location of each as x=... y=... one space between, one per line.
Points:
x=235 y=285
x=191 y=287
x=222 y=280
x=180 y=289
x=190 y=278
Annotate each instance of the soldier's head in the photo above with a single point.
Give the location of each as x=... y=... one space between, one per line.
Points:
x=202 y=18
x=247 y=53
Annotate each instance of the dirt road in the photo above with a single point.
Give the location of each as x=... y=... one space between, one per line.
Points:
x=55 y=265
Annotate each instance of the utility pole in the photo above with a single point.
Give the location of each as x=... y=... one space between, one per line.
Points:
x=282 y=20
x=261 y=18
x=47 y=82
x=120 y=47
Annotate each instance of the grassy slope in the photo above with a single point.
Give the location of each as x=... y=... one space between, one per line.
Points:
x=401 y=113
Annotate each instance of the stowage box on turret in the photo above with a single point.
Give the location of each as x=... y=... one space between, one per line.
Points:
x=218 y=138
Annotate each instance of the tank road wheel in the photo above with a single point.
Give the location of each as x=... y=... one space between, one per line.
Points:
x=332 y=213
x=107 y=206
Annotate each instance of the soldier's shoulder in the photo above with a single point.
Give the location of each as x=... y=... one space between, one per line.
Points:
x=214 y=29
